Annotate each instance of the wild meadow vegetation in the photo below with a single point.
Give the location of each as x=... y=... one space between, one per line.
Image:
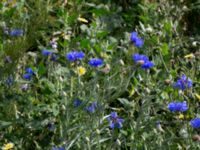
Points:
x=99 y=74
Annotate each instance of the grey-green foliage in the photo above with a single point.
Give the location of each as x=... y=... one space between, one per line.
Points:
x=31 y=17
x=137 y=95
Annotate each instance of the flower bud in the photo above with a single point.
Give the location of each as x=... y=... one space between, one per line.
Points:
x=167 y=81
x=106 y=69
x=194 y=43
x=63 y=107
x=185 y=8
x=97 y=85
x=64 y=93
x=61 y=79
x=87 y=139
x=121 y=62
x=98 y=131
x=147 y=90
x=118 y=142
x=196 y=138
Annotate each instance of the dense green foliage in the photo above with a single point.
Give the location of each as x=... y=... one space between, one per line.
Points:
x=40 y=114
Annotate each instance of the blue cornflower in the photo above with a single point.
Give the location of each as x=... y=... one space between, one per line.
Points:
x=74 y=55
x=80 y=55
x=92 y=107
x=115 y=121
x=138 y=42
x=195 y=123
x=140 y=58
x=147 y=65
x=95 y=62
x=134 y=36
x=178 y=106
x=183 y=83
x=16 y=32
x=77 y=102
x=27 y=76
x=143 y=61
x=46 y=52
x=59 y=148
x=30 y=71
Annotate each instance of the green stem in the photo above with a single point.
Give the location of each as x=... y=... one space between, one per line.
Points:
x=71 y=87
x=161 y=57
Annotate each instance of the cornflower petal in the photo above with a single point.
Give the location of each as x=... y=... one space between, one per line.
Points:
x=178 y=106
x=95 y=62
x=16 y=32
x=195 y=123
x=114 y=120
x=183 y=83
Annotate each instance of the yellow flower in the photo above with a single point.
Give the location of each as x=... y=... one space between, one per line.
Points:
x=181 y=116
x=198 y=96
x=8 y=146
x=189 y=56
x=81 y=71
x=82 y=20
